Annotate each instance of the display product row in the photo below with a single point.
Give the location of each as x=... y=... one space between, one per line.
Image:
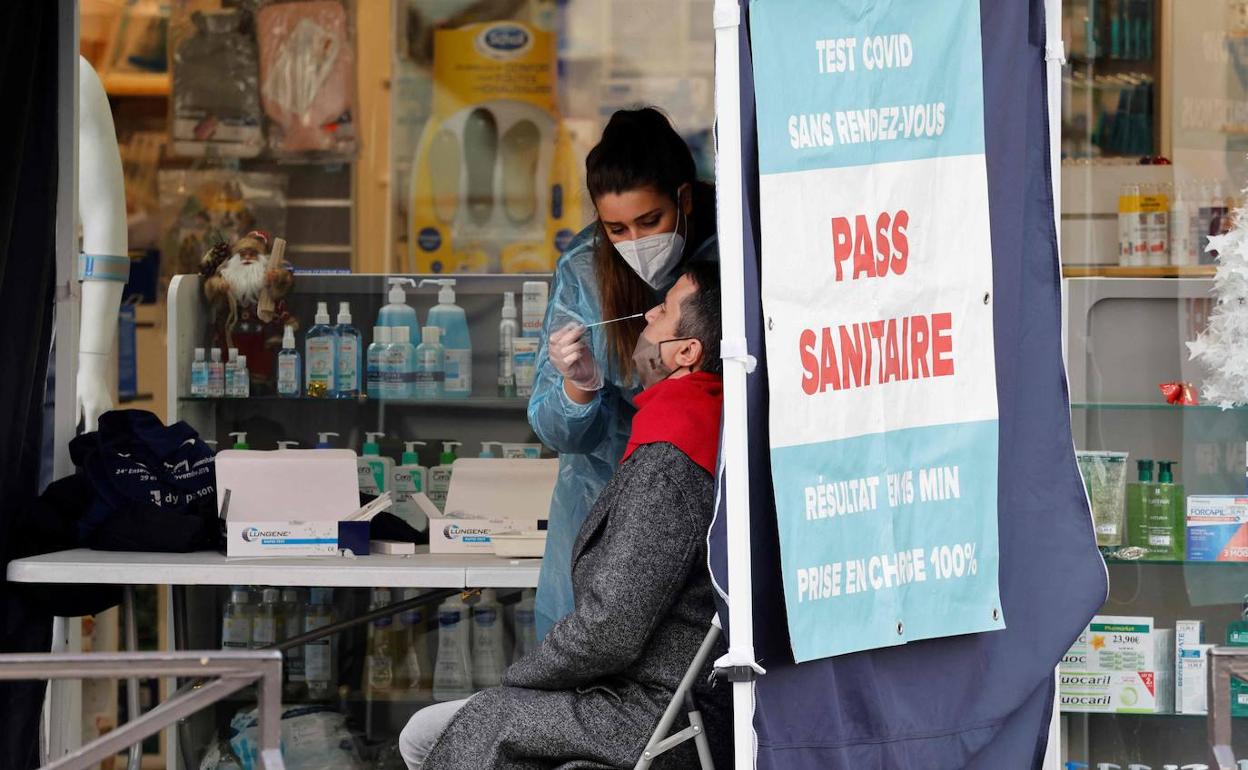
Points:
x=1163 y=224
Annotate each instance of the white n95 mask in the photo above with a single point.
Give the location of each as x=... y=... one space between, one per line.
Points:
x=654 y=257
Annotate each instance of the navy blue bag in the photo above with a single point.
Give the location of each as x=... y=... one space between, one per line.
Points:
x=152 y=487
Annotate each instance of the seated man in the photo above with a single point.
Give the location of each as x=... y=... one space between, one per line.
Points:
x=591 y=694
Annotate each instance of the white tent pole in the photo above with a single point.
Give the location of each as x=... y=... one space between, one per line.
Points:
x=739 y=664
x=1054 y=58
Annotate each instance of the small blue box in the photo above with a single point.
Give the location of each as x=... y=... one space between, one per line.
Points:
x=353 y=536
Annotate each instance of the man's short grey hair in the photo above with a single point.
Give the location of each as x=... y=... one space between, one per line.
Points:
x=700 y=314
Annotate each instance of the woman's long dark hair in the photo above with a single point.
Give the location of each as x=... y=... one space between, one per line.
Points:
x=639 y=148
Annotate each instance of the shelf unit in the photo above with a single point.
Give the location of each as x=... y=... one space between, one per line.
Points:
x=267 y=419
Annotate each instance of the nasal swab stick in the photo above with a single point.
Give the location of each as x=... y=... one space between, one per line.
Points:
x=613 y=320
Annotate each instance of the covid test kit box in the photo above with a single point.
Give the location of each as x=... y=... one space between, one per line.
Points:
x=1112 y=667
x=1217 y=528
x=286 y=502
x=491 y=496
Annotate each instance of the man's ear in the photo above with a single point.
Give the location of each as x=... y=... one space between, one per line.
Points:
x=689 y=354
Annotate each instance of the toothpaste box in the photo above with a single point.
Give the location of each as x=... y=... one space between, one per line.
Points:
x=1112 y=668
x=1217 y=528
x=1193 y=677
x=1187 y=634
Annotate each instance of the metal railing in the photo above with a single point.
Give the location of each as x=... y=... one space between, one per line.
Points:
x=226 y=673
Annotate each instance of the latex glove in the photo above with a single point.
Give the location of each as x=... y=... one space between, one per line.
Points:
x=571 y=357
x=94 y=395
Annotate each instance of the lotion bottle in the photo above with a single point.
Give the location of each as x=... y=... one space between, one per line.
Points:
x=398 y=312
x=452 y=674
x=375 y=471
x=409 y=478
x=430 y=377
x=398 y=366
x=440 y=475
x=489 y=657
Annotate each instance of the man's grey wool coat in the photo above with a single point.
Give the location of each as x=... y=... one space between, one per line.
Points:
x=592 y=692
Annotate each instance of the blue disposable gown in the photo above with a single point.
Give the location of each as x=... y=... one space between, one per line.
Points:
x=590 y=438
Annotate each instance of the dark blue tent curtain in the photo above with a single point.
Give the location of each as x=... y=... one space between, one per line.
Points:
x=981 y=700
x=28 y=134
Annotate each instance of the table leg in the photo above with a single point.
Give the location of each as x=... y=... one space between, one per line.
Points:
x=132 y=683
x=180 y=636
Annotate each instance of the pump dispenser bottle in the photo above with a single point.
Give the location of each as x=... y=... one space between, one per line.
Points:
x=508 y=330
x=488 y=453
x=1165 y=514
x=398 y=312
x=440 y=475
x=456 y=344
x=452 y=675
x=289 y=366
x=1137 y=496
x=350 y=353
x=489 y=657
x=322 y=355
x=322 y=439
x=240 y=440
x=376 y=354
x=375 y=471
x=409 y=478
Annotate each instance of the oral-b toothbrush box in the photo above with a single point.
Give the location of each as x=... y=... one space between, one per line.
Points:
x=1217 y=528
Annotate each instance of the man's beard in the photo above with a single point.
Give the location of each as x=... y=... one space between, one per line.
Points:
x=246 y=280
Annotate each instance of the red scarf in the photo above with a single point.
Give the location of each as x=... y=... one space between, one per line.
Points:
x=685 y=412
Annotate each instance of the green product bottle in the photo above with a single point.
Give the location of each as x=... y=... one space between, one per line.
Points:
x=1237 y=636
x=1137 y=493
x=1165 y=518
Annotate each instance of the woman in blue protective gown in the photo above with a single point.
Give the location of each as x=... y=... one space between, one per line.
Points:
x=653 y=217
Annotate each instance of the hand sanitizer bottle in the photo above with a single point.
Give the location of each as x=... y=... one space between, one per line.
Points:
x=322 y=439
x=508 y=330
x=488 y=655
x=379 y=663
x=415 y=671
x=242 y=379
x=375 y=471
x=409 y=478
x=525 y=624
x=376 y=351
x=199 y=375
x=266 y=630
x=231 y=372
x=318 y=656
x=236 y=620
x=452 y=673
x=398 y=366
x=456 y=343
x=322 y=355
x=486 y=452
x=216 y=375
x=430 y=360
x=289 y=366
x=398 y=312
x=440 y=475
x=350 y=353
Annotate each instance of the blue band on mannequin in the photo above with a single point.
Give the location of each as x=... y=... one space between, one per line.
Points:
x=103 y=267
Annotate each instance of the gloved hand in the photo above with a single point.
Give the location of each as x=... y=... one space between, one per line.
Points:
x=571 y=357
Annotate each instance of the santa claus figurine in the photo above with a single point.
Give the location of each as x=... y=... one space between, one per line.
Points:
x=245 y=284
